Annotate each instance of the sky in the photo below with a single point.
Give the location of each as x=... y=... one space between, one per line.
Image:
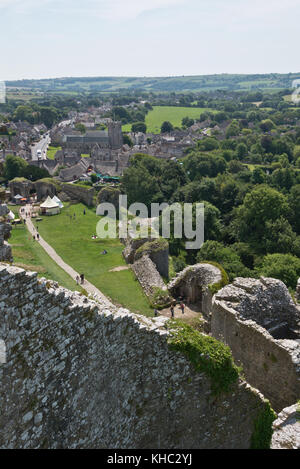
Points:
x=64 y=38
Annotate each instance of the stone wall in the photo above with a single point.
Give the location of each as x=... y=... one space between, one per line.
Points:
x=77 y=373
x=298 y=291
x=45 y=189
x=5 y=229
x=131 y=246
x=158 y=251
x=21 y=186
x=80 y=194
x=269 y=364
x=287 y=429
x=109 y=195
x=149 y=277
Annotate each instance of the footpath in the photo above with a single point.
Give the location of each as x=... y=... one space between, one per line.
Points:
x=89 y=287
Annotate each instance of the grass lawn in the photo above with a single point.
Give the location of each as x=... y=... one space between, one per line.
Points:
x=72 y=240
x=173 y=114
x=51 y=152
x=29 y=255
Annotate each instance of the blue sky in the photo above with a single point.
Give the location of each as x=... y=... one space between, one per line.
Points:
x=56 y=38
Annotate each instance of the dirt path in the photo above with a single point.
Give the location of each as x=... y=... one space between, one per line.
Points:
x=118 y=269
x=89 y=287
x=191 y=311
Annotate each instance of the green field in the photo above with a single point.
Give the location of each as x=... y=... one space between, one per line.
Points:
x=51 y=152
x=173 y=114
x=179 y=84
x=72 y=239
x=29 y=255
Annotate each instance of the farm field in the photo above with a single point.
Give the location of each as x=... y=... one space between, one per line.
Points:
x=173 y=114
x=29 y=255
x=71 y=237
x=181 y=84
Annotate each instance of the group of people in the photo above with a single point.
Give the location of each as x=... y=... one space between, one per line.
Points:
x=172 y=309
x=80 y=279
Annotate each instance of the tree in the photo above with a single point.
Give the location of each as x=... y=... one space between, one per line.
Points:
x=279 y=237
x=283 y=178
x=233 y=129
x=166 y=127
x=34 y=173
x=284 y=267
x=261 y=205
x=241 y=151
x=258 y=176
x=139 y=127
x=14 y=167
x=80 y=127
x=200 y=165
x=235 y=166
x=187 y=122
x=48 y=115
x=94 y=178
x=127 y=140
x=267 y=125
x=294 y=203
x=120 y=113
x=139 y=186
x=228 y=258
x=208 y=144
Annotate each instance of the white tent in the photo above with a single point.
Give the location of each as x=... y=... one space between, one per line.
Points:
x=58 y=201
x=11 y=215
x=49 y=207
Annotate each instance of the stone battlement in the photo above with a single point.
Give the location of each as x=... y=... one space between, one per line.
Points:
x=79 y=373
x=260 y=322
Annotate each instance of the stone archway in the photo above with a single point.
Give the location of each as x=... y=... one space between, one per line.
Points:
x=192 y=284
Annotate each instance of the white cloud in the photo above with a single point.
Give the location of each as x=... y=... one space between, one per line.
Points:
x=120 y=9
x=107 y=9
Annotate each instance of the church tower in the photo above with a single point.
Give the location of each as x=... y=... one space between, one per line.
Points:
x=115 y=135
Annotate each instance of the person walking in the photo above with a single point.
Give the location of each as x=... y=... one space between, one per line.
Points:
x=172 y=311
x=82 y=279
x=77 y=279
x=182 y=306
x=38 y=236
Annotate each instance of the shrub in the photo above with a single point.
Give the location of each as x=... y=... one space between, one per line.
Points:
x=206 y=354
x=262 y=435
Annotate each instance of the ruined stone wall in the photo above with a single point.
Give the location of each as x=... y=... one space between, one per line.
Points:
x=5 y=229
x=81 y=194
x=193 y=282
x=45 y=189
x=287 y=429
x=270 y=365
x=148 y=276
x=76 y=373
x=20 y=186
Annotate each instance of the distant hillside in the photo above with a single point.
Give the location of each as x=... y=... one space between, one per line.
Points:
x=166 y=84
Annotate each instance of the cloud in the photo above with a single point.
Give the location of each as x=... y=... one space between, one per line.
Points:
x=130 y=9
x=106 y=9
